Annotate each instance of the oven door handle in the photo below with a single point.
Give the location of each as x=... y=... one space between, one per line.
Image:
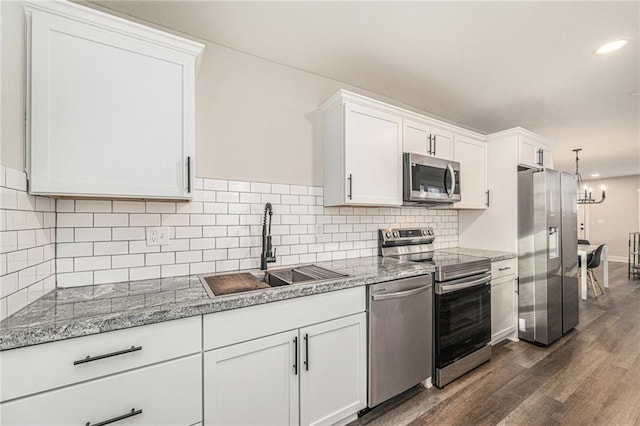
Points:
x=398 y=294
x=448 y=288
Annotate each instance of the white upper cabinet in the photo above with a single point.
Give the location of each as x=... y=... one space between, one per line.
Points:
x=472 y=156
x=362 y=154
x=421 y=138
x=110 y=105
x=534 y=153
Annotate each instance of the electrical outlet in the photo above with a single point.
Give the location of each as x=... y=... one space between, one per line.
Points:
x=158 y=236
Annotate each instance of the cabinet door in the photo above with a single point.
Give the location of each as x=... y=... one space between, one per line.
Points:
x=166 y=394
x=253 y=383
x=503 y=308
x=373 y=156
x=528 y=152
x=472 y=156
x=333 y=377
x=547 y=158
x=442 y=144
x=415 y=137
x=110 y=114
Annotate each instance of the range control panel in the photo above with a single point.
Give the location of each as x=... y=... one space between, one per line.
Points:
x=397 y=236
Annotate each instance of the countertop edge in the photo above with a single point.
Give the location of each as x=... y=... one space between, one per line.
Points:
x=20 y=337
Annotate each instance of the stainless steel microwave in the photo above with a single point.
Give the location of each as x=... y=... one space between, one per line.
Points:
x=430 y=180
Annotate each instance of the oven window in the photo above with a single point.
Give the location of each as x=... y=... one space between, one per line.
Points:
x=463 y=323
x=428 y=179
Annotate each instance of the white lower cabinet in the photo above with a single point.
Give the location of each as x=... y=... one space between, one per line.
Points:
x=252 y=383
x=164 y=394
x=504 y=301
x=333 y=380
x=314 y=375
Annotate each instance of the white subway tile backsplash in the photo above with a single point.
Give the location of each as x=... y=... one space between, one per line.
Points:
x=110 y=276
x=102 y=241
x=93 y=206
x=145 y=273
x=17 y=301
x=110 y=219
x=237 y=186
x=92 y=234
x=74 y=220
x=129 y=207
x=202 y=268
x=214 y=185
x=144 y=219
x=91 y=263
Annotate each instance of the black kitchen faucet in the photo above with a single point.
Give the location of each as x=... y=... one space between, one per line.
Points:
x=265 y=255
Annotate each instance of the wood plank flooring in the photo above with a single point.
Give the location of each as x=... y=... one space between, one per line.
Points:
x=591 y=376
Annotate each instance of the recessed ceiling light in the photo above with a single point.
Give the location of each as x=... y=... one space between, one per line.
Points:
x=595 y=175
x=611 y=47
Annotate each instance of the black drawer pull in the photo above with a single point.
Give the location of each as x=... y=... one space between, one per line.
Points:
x=306 y=352
x=131 y=413
x=95 y=358
x=504 y=269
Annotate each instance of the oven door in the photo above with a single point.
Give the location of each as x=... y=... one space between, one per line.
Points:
x=428 y=179
x=462 y=317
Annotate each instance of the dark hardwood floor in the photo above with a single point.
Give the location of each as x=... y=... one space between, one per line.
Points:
x=590 y=376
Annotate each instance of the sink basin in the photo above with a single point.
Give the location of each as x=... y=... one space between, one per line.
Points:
x=218 y=285
x=300 y=274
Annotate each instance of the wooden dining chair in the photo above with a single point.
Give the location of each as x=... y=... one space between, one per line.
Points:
x=593 y=263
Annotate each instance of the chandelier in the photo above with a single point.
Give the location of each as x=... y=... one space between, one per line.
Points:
x=587 y=199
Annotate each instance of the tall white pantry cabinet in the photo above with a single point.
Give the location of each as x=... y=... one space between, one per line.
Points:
x=110 y=105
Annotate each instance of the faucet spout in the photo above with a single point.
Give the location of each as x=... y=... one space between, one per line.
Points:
x=266 y=255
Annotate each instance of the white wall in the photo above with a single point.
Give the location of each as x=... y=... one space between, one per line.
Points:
x=12 y=84
x=611 y=221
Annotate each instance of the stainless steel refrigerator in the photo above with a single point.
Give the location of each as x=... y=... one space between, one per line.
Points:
x=547 y=255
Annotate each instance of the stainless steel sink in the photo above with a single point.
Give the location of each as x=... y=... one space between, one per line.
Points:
x=299 y=274
x=217 y=285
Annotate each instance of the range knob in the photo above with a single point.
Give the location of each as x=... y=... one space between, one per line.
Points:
x=388 y=234
x=424 y=232
x=396 y=234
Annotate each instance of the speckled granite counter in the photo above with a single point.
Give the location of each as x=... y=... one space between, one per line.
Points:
x=494 y=255
x=81 y=311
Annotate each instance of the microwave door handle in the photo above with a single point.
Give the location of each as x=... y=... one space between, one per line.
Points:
x=451 y=191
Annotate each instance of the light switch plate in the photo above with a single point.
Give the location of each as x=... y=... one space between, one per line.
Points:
x=158 y=236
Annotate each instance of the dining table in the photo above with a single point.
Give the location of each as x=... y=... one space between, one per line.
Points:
x=583 y=251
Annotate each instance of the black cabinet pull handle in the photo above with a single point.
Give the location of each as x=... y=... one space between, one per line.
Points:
x=434 y=145
x=430 y=142
x=504 y=269
x=487 y=198
x=306 y=352
x=350 y=179
x=189 y=174
x=95 y=358
x=541 y=157
x=295 y=356
x=131 y=413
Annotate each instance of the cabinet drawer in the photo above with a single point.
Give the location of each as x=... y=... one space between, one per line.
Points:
x=503 y=268
x=168 y=394
x=42 y=367
x=239 y=325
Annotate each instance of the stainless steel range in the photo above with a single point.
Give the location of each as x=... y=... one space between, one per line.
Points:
x=462 y=301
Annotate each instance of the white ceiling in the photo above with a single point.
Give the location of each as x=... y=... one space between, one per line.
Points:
x=486 y=65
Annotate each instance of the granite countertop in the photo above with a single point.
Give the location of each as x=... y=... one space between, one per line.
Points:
x=494 y=255
x=73 y=312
